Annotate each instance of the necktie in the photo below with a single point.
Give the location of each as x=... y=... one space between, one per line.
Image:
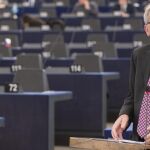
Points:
x=144 y=115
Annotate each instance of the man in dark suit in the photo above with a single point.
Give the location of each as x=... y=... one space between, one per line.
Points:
x=139 y=76
x=126 y=9
x=89 y=8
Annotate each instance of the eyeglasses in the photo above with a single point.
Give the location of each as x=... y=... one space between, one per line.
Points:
x=147 y=23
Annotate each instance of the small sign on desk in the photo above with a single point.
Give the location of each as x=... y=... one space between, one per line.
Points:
x=12 y=88
x=75 y=68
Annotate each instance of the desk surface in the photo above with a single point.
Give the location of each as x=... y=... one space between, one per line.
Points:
x=105 y=75
x=56 y=95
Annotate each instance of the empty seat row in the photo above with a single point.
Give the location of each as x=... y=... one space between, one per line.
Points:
x=54 y=50
x=32 y=77
x=36 y=61
x=57 y=48
x=93 y=24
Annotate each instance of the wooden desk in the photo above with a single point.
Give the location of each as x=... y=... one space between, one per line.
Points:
x=103 y=144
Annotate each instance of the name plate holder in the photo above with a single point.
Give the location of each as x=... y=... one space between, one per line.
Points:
x=12 y=88
x=107 y=144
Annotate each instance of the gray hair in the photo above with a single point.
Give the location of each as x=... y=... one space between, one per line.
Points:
x=147 y=14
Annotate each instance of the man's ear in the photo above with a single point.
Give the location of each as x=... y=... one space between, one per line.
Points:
x=146 y=30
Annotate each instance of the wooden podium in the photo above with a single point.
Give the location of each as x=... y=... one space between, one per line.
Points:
x=104 y=144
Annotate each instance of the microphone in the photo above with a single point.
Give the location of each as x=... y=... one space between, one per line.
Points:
x=82 y=27
x=114 y=32
x=77 y=14
x=52 y=47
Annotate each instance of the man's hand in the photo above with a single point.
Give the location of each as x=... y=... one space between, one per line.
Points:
x=119 y=126
x=147 y=138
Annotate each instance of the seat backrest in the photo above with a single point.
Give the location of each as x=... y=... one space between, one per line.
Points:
x=29 y=61
x=94 y=23
x=58 y=70
x=2 y=88
x=31 y=80
x=62 y=2
x=105 y=50
x=141 y=37
x=5 y=51
x=56 y=50
x=49 y=11
x=136 y=23
x=51 y=38
x=12 y=24
x=94 y=38
x=89 y=62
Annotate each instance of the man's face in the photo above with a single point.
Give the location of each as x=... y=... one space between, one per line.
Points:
x=122 y=2
x=147 y=29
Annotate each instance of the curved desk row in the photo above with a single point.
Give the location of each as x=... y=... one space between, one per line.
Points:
x=86 y=114
x=29 y=119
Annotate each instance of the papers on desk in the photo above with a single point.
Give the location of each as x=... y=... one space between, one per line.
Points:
x=126 y=141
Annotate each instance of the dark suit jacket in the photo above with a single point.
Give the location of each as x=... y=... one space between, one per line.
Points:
x=129 y=10
x=139 y=74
